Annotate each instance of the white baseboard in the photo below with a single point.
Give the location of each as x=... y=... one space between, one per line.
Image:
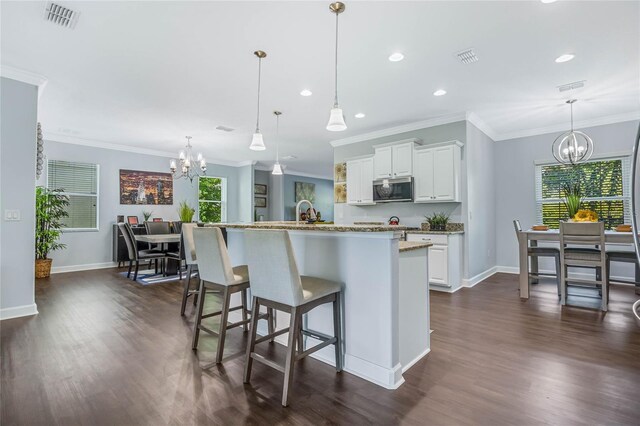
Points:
x=18 y=311
x=583 y=275
x=470 y=282
x=416 y=359
x=86 y=267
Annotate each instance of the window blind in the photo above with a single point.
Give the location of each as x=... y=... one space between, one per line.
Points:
x=78 y=181
x=605 y=185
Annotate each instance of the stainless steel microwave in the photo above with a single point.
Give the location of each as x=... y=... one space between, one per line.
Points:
x=393 y=190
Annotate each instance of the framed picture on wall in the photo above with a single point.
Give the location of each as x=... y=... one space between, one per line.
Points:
x=260 y=202
x=259 y=189
x=141 y=187
x=305 y=191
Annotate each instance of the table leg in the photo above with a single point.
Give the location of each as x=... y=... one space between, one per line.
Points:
x=534 y=262
x=524 y=265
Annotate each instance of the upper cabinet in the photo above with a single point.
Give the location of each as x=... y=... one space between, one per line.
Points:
x=394 y=160
x=360 y=181
x=437 y=173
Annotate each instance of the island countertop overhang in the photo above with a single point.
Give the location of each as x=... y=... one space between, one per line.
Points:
x=292 y=226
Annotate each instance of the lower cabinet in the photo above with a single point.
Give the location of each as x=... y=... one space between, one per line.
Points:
x=445 y=260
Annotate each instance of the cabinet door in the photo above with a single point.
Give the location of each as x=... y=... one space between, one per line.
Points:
x=382 y=163
x=423 y=177
x=444 y=174
x=438 y=265
x=402 y=160
x=353 y=182
x=366 y=180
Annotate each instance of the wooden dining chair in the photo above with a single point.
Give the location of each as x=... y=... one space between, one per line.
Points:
x=537 y=252
x=587 y=250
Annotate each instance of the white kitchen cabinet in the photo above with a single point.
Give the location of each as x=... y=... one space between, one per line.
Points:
x=360 y=181
x=394 y=160
x=437 y=173
x=445 y=260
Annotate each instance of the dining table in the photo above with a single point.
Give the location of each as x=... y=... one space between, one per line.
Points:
x=173 y=266
x=530 y=238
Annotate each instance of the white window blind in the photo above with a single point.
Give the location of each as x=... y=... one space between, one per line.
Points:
x=212 y=199
x=605 y=184
x=78 y=181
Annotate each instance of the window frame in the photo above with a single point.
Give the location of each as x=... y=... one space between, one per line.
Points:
x=79 y=194
x=223 y=197
x=625 y=159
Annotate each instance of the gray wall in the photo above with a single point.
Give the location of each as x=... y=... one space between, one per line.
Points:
x=262 y=177
x=324 y=196
x=276 y=197
x=91 y=248
x=18 y=114
x=515 y=181
x=245 y=194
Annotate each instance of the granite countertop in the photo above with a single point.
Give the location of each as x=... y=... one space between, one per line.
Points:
x=420 y=231
x=311 y=227
x=412 y=245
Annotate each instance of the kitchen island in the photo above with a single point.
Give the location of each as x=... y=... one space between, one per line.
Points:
x=385 y=287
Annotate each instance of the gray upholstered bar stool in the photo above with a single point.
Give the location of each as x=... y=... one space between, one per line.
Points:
x=541 y=252
x=190 y=260
x=276 y=283
x=216 y=273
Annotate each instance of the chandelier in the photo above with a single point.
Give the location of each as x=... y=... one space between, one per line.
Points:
x=189 y=167
x=572 y=147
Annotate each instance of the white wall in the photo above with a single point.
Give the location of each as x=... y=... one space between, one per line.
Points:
x=515 y=182
x=18 y=109
x=94 y=249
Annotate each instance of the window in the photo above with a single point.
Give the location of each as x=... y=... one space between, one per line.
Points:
x=605 y=185
x=212 y=199
x=78 y=181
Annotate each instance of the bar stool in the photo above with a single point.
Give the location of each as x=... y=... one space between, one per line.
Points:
x=216 y=273
x=189 y=255
x=536 y=252
x=277 y=284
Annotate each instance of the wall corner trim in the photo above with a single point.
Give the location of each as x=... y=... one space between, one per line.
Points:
x=471 y=282
x=18 y=311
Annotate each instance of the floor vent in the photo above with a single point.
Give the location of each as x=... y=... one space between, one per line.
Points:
x=467 y=56
x=225 y=129
x=572 y=86
x=60 y=15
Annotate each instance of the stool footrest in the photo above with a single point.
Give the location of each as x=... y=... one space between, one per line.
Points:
x=267 y=362
x=317 y=335
x=271 y=336
x=317 y=347
x=213 y=314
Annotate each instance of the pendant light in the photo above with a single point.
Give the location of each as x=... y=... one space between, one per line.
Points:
x=277 y=169
x=257 y=144
x=572 y=147
x=336 y=118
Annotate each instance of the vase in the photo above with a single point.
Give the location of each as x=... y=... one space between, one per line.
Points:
x=43 y=268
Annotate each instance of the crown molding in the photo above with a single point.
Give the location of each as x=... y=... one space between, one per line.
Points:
x=436 y=121
x=246 y=163
x=473 y=118
x=601 y=121
x=309 y=175
x=24 y=76
x=62 y=138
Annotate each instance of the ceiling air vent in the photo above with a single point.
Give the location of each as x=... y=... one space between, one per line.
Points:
x=467 y=56
x=60 y=15
x=225 y=129
x=571 y=86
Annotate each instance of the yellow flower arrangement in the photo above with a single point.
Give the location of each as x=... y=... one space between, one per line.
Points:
x=586 y=216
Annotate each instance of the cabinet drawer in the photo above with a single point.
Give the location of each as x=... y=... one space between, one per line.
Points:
x=434 y=238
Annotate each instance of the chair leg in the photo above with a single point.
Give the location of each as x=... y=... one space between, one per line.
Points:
x=558 y=275
x=243 y=296
x=130 y=266
x=135 y=273
x=337 y=331
x=185 y=292
x=156 y=269
x=300 y=339
x=271 y=322
x=248 y=362
x=563 y=285
x=605 y=289
x=196 y=325
x=195 y=296
x=294 y=324
x=222 y=333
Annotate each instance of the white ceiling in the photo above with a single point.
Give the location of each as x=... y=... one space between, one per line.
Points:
x=145 y=74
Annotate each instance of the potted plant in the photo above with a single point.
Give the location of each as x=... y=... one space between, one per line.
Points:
x=185 y=212
x=438 y=221
x=50 y=210
x=572 y=198
x=147 y=215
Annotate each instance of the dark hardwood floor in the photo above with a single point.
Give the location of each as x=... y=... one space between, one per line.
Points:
x=106 y=351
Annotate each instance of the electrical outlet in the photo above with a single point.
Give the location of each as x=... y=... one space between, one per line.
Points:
x=12 y=215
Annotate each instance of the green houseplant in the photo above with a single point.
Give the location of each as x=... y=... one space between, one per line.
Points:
x=185 y=212
x=438 y=221
x=573 y=198
x=147 y=215
x=51 y=209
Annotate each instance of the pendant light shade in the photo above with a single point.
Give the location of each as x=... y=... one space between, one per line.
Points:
x=257 y=143
x=277 y=169
x=572 y=147
x=336 y=117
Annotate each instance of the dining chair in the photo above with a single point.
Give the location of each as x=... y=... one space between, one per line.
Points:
x=157 y=219
x=136 y=255
x=537 y=252
x=277 y=284
x=132 y=220
x=189 y=254
x=158 y=228
x=216 y=273
x=624 y=257
x=587 y=251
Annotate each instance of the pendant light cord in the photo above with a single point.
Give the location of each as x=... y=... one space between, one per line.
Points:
x=335 y=101
x=277 y=138
x=258 y=114
x=571 y=105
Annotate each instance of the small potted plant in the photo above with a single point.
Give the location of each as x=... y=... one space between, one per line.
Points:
x=50 y=210
x=572 y=198
x=438 y=221
x=185 y=212
x=147 y=215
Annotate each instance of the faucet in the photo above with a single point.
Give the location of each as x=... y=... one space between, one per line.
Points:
x=312 y=215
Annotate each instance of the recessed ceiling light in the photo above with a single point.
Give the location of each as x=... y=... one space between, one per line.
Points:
x=439 y=92
x=360 y=115
x=565 y=58
x=548 y=1
x=306 y=92
x=396 y=57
